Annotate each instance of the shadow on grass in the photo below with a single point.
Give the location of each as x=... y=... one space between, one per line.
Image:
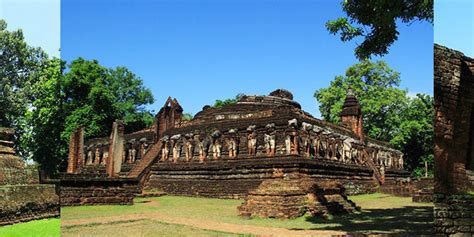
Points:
x=398 y=221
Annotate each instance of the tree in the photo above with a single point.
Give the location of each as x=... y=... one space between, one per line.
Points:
x=388 y=113
x=19 y=63
x=44 y=121
x=220 y=103
x=415 y=135
x=44 y=104
x=95 y=96
x=186 y=117
x=380 y=17
x=375 y=85
x=88 y=95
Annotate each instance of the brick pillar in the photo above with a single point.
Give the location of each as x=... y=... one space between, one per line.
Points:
x=116 y=146
x=351 y=115
x=454 y=105
x=76 y=151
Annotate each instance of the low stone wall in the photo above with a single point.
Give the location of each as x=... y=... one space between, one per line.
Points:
x=454 y=214
x=397 y=183
x=423 y=190
x=233 y=178
x=19 y=203
x=98 y=191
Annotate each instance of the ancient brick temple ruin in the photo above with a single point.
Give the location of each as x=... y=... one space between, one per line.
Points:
x=23 y=198
x=239 y=148
x=454 y=142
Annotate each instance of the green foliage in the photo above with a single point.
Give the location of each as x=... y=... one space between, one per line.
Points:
x=18 y=63
x=187 y=117
x=95 y=96
x=375 y=85
x=221 y=103
x=415 y=134
x=44 y=104
x=388 y=113
x=376 y=21
x=45 y=120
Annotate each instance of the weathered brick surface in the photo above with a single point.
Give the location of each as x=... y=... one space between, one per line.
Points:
x=234 y=178
x=79 y=190
x=22 y=198
x=454 y=141
x=292 y=195
x=27 y=202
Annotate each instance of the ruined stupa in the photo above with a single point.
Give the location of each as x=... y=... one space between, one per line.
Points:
x=23 y=198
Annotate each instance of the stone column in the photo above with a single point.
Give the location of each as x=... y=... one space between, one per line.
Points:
x=76 y=151
x=117 y=138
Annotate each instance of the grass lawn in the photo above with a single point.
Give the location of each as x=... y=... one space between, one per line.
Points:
x=380 y=213
x=39 y=228
x=142 y=228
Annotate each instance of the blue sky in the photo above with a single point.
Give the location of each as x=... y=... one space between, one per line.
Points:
x=454 y=25
x=39 y=20
x=199 y=51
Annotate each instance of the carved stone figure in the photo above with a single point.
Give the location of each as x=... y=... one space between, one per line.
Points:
x=316 y=140
x=400 y=160
x=305 y=139
x=176 y=145
x=97 y=154
x=232 y=144
x=355 y=153
x=105 y=155
x=203 y=143
x=216 y=144
x=188 y=146
x=90 y=155
x=165 y=148
x=347 y=154
x=143 y=148
x=269 y=139
x=133 y=154
x=331 y=149
x=252 y=140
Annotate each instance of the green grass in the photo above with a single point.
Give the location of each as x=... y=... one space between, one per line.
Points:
x=380 y=213
x=39 y=228
x=142 y=228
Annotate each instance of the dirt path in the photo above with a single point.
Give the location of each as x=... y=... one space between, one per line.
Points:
x=202 y=224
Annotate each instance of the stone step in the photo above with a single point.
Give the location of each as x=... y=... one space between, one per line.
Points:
x=146 y=161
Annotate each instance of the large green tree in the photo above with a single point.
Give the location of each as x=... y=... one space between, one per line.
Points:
x=388 y=113
x=95 y=96
x=19 y=63
x=44 y=121
x=376 y=86
x=415 y=134
x=87 y=95
x=376 y=22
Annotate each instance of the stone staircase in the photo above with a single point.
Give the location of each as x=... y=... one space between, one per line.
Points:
x=374 y=167
x=143 y=166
